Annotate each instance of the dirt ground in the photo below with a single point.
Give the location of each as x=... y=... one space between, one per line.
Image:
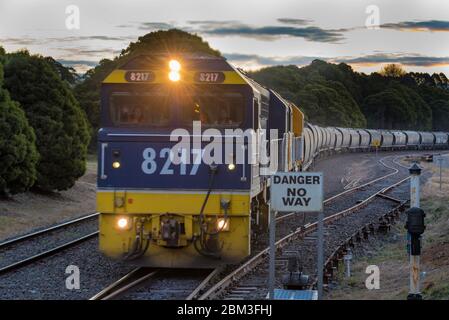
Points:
x=348 y=170
x=28 y=211
x=389 y=253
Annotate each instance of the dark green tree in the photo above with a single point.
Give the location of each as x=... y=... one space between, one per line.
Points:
x=335 y=95
x=53 y=112
x=438 y=100
x=324 y=91
x=387 y=110
x=18 y=154
x=66 y=73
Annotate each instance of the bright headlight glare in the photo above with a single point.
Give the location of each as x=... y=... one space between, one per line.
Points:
x=116 y=164
x=174 y=65
x=174 y=76
x=223 y=224
x=231 y=166
x=123 y=223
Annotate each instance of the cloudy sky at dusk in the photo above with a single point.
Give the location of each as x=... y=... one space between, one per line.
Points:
x=250 y=33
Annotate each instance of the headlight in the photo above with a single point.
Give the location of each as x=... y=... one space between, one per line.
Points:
x=116 y=164
x=123 y=223
x=222 y=224
x=174 y=76
x=231 y=167
x=174 y=65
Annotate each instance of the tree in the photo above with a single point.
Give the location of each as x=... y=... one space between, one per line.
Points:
x=18 y=154
x=52 y=110
x=330 y=104
x=66 y=73
x=393 y=70
x=397 y=107
x=326 y=92
x=438 y=100
x=386 y=110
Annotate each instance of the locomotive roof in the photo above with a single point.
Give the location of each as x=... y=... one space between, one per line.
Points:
x=191 y=60
x=155 y=69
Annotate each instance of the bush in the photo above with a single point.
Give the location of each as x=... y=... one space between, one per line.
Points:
x=18 y=154
x=60 y=125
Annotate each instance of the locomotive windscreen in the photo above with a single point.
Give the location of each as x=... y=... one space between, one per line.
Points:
x=213 y=109
x=161 y=108
x=140 y=109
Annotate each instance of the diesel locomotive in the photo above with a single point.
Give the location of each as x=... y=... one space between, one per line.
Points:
x=185 y=153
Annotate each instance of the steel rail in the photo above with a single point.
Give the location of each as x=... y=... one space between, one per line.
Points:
x=203 y=284
x=34 y=234
x=50 y=252
x=124 y=284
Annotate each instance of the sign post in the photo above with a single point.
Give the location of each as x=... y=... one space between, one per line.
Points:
x=296 y=192
x=376 y=144
x=415 y=227
x=320 y=257
x=271 y=271
x=440 y=161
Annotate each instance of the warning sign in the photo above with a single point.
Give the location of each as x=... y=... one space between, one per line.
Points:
x=297 y=191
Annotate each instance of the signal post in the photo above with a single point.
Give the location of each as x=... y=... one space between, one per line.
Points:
x=296 y=192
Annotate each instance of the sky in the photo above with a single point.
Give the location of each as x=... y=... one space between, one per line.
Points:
x=251 y=34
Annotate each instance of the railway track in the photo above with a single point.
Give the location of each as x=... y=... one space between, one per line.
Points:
x=34 y=246
x=376 y=188
x=149 y=284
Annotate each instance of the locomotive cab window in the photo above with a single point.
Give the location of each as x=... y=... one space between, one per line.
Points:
x=213 y=109
x=139 y=109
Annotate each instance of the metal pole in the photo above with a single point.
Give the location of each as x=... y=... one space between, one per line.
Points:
x=415 y=172
x=320 y=258
x=441 y=163
x=414 y=275
x=347 y=258
x=271 y=271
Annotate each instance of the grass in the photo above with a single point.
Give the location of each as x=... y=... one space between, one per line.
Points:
x=392 y=259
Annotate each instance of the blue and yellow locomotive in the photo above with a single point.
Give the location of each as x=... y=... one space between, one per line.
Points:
x=157 y=212
x=181 y=182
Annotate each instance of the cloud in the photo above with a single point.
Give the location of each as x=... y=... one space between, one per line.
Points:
x=124 y=26
x=155 y=26
x=213 y=23
x=255 y=59
x=86 y=51
x=429 y=25
x=273 y=32
x=88 y=63
x=20 y=41
x=27 y=41
x=102 y=38
x=415 y=60
x=405 y=59
x=300 y=22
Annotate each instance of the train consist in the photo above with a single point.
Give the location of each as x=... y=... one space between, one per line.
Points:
x=160 y=203
x=332 y=139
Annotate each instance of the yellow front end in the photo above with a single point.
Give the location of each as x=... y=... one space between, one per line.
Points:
x=167 y=227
